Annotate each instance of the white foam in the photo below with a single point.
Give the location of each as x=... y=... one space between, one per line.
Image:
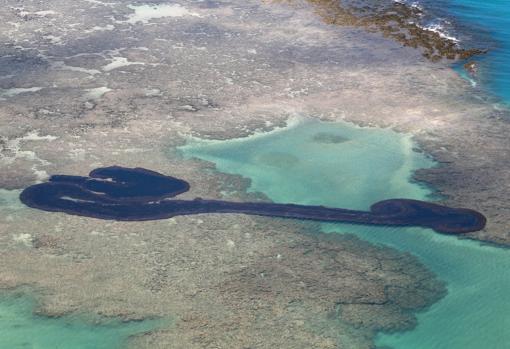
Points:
x=144 y=13
x=433 y=27
x=439 y=29
x=414 y=4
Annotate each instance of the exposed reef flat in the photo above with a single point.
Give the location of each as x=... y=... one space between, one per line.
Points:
x=396 y=20
x=226 y=280
x=325 y=71
x=342 y=175
x=138 y=194
x=236 y=68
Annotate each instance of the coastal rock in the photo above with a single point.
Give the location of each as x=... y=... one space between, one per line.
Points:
x=396 y=20
x=471 y=68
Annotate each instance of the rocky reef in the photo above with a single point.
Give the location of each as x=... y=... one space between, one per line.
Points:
x=225 y=281
x=83 y=85
x=396 y=20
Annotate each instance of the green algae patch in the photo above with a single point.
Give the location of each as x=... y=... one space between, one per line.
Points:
x=21 y=327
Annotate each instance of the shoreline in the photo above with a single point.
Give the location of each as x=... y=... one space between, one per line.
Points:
x=396 y=20
x=406 y=16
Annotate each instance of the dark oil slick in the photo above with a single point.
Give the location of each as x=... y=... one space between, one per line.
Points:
x=137 y=194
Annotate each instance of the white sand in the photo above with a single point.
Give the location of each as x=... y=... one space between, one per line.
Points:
x=119 y=62
x=144 y=13
x=96 y=93
x=11 y=92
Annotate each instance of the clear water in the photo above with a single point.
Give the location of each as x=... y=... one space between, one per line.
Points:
x=337 y=164
x=483 y=24
x=20 y=328
x=492 y=17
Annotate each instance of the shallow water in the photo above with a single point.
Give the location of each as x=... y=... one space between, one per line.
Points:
x=21 y=328
x=338 y=164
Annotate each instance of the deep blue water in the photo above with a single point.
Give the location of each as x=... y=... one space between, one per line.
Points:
x=481 y=24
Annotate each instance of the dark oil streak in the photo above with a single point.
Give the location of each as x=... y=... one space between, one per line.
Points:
x=137 y=194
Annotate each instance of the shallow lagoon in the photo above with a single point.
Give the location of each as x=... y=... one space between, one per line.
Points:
x=301 y=164
x=20 y=328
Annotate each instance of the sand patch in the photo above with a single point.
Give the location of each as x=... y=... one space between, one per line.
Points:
x=145 y=13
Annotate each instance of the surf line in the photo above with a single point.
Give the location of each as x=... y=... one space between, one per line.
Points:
x=138 y=194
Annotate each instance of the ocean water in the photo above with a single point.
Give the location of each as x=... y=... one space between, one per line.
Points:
x=20 y=328
x=490 y=18
x=338 y=164
x=481 y=24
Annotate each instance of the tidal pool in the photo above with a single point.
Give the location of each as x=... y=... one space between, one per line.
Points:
x=20 y=328
x=369 y=165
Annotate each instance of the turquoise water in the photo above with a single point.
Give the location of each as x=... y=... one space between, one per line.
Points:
x=493 y=18
x=483 y=24
x=21 y=329
x=337 y=164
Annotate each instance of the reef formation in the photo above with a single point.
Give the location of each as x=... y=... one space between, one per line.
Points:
x=138 y=194
x=398 y=21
